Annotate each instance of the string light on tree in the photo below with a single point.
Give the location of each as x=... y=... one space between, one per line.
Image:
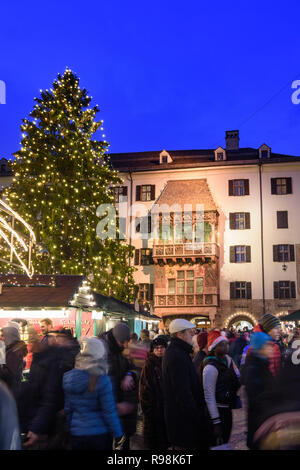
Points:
x=61 y=175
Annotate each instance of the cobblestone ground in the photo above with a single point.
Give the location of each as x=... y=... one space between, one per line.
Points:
x=238 y=433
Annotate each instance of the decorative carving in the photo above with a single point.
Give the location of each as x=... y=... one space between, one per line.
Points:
x=210 y=277
x=161 y=300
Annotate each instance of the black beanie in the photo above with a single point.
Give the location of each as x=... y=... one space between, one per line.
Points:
x=159 y=341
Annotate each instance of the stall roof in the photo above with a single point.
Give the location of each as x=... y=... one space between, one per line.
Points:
x=112 y=305
x=294 y=316
x=40 y=291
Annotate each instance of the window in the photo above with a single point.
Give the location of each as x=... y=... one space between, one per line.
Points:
x=145 y=192
x=239 y=220
x=240 y=254
x=240 y=290
x=172 y=287
x=145 y=225
x=164 y=159
x=283 y=253
x=143 y=257
x=238 y=187
x=145 y=292
x=220 y=156
x=282 y=219
x=186 y=283
x=119 y=192
x=284 y=290
x=264 y=154
x=281 y=186
x=146 y=255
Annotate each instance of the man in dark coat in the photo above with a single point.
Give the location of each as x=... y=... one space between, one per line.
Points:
x=46 y=326
x=151 y=397
x=124 y=378
x=236 y=348
x=42 y=397
x=185 y=416
x=259 y=383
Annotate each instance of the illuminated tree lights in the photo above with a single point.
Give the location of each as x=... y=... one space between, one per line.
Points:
x=61 y=175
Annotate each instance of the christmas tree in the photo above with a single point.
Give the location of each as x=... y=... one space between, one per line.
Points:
x=61 y=175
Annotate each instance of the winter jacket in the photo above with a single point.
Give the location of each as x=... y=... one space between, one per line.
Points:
x=90 y=413
x=236 y=349
x=42 y=396
x=260 y=384
x=9 y=426
x=275 y=360
x=119 y=365
x=185 y=411
x=15 y=354
x=152 y=404
x=198 y=359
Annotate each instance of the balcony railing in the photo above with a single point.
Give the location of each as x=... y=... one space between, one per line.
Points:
x=185 y=250
x=184 y=300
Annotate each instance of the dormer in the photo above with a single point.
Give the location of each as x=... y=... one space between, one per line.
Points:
x=264 y=152
x=164 y=157
x=220 y=154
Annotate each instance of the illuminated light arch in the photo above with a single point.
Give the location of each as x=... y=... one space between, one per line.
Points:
x=26 y=243
x=241 y=314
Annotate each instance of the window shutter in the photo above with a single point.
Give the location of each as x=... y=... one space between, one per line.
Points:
x=282 y=219
x=246 y=184
x=293 y=289
x=136 y=291
x=152 y=192
x=232 y=221
x=230 y=187
x=275 y=253
x=276 y=290
x=138 y=193
x=232 y=290
x=248 y=254
x=149 y=223
x=247 y=219
x=248 y=289
x=232 y=254
x=148 y=292
x=151 y=291
x=273 y=186
x=289 y=185
x=292 y=253
x=137 y=257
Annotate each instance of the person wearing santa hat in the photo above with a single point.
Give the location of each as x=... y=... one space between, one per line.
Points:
x=221 y=381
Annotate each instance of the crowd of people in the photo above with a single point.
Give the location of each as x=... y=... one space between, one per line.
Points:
x=183 y=383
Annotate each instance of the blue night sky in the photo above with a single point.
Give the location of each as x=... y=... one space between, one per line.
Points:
x=166 y=74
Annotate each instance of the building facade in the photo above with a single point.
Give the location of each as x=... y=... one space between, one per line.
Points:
x=248 y=261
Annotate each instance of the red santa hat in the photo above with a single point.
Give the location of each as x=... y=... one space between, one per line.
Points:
x=214 y=337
